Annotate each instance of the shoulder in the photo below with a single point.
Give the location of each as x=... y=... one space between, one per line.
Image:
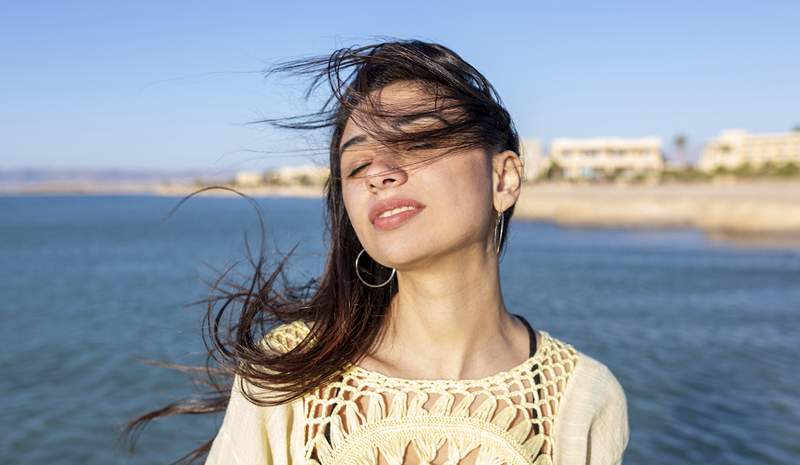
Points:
x=281 y=339
x=592 y=414
x=256 y=433
x=286 y=336
x=586 y=374
x=591 y=387
x=597 y=377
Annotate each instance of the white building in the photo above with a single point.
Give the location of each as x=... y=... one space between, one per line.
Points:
x=305 y=174
x=248 y=178
x=588 y=158
x=735 y=147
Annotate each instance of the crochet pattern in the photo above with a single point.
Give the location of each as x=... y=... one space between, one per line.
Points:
x=367 y=418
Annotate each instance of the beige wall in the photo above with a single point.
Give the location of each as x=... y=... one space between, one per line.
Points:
x=533 y=158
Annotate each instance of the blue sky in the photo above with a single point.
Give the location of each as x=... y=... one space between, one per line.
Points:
x=170 y=85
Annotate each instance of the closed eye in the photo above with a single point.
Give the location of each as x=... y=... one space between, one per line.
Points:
x=358 y=169
x=423 y=145
x=420 y=146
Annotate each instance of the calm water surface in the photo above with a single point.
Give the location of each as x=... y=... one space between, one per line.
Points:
x=700 y=333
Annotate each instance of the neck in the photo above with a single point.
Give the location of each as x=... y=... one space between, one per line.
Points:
x=448 y=320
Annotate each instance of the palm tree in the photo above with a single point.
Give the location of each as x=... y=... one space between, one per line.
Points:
x=680 y=144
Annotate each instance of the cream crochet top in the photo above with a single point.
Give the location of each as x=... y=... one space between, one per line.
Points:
x=558 y=407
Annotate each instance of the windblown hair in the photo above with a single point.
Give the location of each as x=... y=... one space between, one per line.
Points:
x=346 y=318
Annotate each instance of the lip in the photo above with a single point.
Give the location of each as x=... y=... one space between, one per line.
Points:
x=388 y=204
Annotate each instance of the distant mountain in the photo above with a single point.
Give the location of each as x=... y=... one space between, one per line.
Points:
x=26 y=177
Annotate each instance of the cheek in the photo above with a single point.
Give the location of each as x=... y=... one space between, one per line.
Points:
x=355 y=204
x=470 y=183
x=463 y=192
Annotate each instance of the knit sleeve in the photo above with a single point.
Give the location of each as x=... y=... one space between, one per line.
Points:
x=609 y=430
x=252 y=434
x=270 y=435
x=592 y=423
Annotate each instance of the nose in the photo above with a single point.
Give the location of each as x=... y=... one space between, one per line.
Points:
x=383 y=173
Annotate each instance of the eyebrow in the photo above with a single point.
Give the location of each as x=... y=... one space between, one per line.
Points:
x=401 y=121
x=354 y=140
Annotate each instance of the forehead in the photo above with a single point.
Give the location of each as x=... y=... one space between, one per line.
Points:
x=400 y=92
x=402 y=97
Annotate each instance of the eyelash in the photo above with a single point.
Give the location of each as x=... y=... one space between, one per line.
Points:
x=358 y=169
x=417 y=146
x=422 y=145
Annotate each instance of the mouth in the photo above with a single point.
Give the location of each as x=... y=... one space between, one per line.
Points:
x=394 y=218
x=391 y=213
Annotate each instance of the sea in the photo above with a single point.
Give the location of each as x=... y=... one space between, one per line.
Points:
x=703 y=333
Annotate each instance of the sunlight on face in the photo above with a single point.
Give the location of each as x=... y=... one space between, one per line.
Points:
x=453 y=192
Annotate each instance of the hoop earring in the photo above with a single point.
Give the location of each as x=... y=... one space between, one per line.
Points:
x=366 y=283
x=498 y=238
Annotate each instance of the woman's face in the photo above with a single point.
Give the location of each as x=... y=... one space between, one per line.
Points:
x=451 y=197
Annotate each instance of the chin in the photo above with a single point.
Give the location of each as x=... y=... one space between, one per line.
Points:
x=398 y=253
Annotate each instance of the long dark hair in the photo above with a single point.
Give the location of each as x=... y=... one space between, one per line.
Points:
x=345 y=317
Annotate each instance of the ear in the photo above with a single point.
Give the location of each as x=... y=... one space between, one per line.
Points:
x=507 y=175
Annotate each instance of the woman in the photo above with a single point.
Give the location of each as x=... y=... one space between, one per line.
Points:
x=404 y=351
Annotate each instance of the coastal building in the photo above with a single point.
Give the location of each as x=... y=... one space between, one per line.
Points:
x=248 y=178
x=533 y=158
x=298 y=175
x=736 y=147
x=592 y=158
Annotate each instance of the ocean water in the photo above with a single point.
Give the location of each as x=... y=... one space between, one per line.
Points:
x=699 y=332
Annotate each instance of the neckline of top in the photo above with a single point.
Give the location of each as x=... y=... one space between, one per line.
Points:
x=533 y=339
x=542 y=340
